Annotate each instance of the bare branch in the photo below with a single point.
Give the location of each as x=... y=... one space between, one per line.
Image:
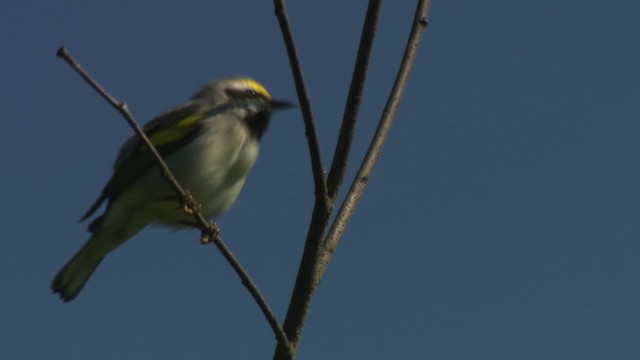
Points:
x=305 y=104
x=362 y=177
x=343 y=146
x=124 y=111
x=209 y=229
x=307 y=273
x=306 y=282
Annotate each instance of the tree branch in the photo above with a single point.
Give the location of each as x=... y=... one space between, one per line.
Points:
x=343 y=146
x=209 y=229
x=375 y=148
x=307 y=277
x=308 y=274
x=305 y=104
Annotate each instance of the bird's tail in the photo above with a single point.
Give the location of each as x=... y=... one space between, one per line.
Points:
x=72 y=277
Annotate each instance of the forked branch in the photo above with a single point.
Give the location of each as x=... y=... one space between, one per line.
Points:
x=319 y=250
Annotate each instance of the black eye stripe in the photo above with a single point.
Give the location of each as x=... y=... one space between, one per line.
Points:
x=243 y=93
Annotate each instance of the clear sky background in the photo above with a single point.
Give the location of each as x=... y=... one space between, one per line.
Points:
x=502 y=221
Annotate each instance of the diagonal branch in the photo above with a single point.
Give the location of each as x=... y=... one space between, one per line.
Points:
x=209 y=229
x=343 y=146
x=124 y=111
x=388 y=115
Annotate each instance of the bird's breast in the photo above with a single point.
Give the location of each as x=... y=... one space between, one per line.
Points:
x=218 y=165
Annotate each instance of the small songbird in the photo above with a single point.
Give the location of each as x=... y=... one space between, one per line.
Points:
x=209 y=143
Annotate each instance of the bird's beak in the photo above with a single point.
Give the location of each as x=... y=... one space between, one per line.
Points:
x=277 y=104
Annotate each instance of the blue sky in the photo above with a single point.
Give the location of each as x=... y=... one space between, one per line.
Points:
x=501 y=222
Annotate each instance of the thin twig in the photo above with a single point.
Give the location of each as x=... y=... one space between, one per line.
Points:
x=305 y=104
x=388 y=115
x=209 y=229
x=124 y=111
x=343 y=146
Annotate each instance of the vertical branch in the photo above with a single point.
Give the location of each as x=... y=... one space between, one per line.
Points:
x=305 y=103
x=375 y=148
x=307 y=277
x=343 y=146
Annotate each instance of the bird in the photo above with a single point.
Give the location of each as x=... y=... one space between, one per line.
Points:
x=210 y=143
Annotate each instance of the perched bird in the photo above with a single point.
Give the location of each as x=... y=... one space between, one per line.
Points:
x=209 y=143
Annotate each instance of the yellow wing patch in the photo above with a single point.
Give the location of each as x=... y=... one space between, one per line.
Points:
x=176 y=131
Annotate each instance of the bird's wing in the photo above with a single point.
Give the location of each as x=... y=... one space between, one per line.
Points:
x=168 y=132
